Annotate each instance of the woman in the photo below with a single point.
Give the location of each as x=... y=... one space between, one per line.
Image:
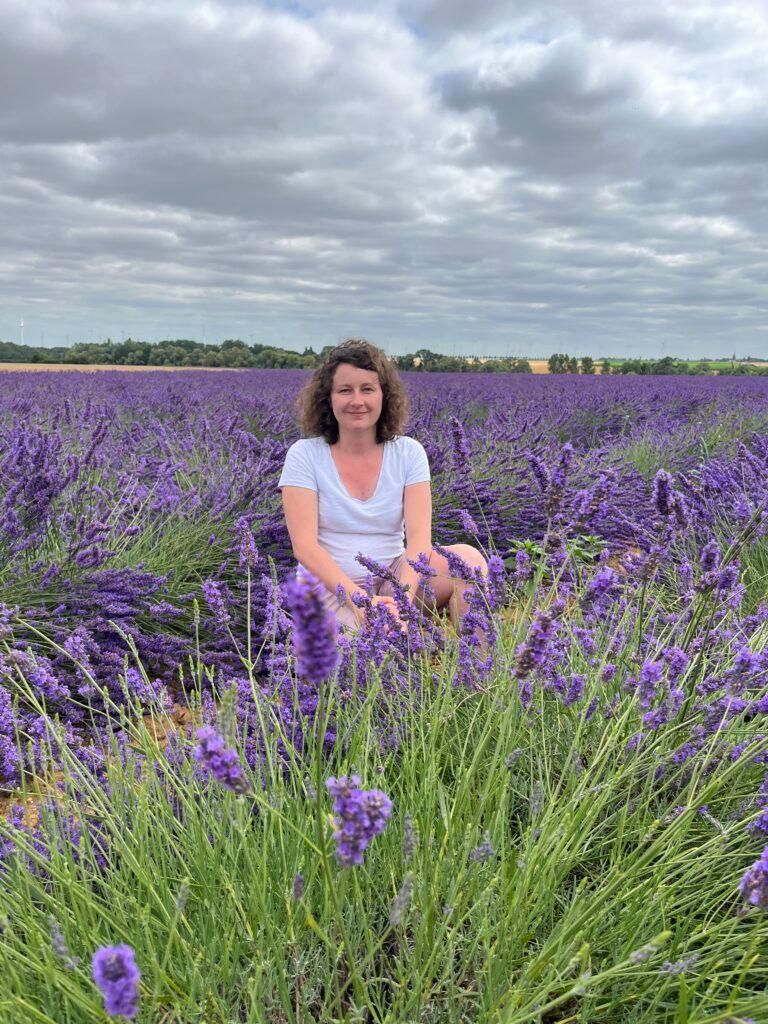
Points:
x=355 y=483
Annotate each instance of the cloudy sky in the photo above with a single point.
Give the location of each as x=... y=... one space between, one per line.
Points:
x=493 y=176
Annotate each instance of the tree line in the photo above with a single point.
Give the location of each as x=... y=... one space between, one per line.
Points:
x=670 y=365
x=235 y=354
x=559 y=362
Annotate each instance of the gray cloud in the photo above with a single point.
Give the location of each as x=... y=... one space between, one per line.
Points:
x=481 y=177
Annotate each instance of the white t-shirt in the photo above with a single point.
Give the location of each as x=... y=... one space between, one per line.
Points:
x=346 y=525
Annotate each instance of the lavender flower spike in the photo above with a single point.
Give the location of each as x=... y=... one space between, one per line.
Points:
x=116 y=974
x=216 y=602
x=754 y=884
x=222 y=763
x=359 y=816
x=314 y=631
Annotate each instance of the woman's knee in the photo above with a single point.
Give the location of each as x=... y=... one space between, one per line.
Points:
x=445 y=585
x=470 y=555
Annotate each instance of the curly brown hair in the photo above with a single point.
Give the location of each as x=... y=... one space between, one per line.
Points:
x=314 y=401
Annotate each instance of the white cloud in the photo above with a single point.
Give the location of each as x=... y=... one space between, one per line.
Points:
x=425 y=171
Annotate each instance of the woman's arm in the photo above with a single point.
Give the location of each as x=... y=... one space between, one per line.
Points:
x=417 y=511
x=300 y=508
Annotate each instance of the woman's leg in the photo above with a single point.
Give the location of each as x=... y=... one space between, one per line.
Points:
x=344 y=614
x=450 y=590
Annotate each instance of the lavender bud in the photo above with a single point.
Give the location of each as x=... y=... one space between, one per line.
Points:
x=298 y=886
x=60 y=945
x=679 y=966
x=182 y=897
x=537 y=797
x=643 y=953
x=401 y=902
x=483 y=852
x=409 y=839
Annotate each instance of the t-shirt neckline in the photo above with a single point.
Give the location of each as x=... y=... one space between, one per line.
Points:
x=360 y=501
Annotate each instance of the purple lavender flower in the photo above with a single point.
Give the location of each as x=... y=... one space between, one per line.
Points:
x=677 y=662
x=215 y=599
x=602 y=584
x=468 y=524
x=462 y=453
x=497 y=584
x=359 y=816
x=533 y=651
x=540 y=471
x=314 y=631
x=116 y=974
x=222 y=763
x=663 y=492
x=523 y=567
x=754 y=884
x=648 y=681
x=710 y=556
x=248 y=553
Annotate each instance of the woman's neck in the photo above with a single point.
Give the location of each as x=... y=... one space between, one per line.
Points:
x=350 y=444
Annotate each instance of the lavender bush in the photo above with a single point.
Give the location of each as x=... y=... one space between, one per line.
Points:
x=560 y=813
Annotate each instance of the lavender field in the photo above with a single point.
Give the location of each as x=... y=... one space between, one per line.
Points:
x=558 y=815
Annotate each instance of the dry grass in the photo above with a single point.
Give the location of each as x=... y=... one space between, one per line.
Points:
x=88 y=368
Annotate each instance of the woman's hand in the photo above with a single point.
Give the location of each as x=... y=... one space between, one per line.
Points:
x=388 y=602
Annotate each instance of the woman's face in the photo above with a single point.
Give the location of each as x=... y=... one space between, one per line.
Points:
x=356 y=397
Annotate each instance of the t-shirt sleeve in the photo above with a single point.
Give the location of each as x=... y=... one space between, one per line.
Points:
x=416 y=464
x=298 y=470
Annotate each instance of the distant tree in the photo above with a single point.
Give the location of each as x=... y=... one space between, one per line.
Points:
x=737 y=370
x=700 y=368
x=507 y=365
x=520 y=366
x=238 y=357
x=559 y=362
x=665 y=366
x=587 y=364
x=641 y=366
x=167 y=354
x=405 y=362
